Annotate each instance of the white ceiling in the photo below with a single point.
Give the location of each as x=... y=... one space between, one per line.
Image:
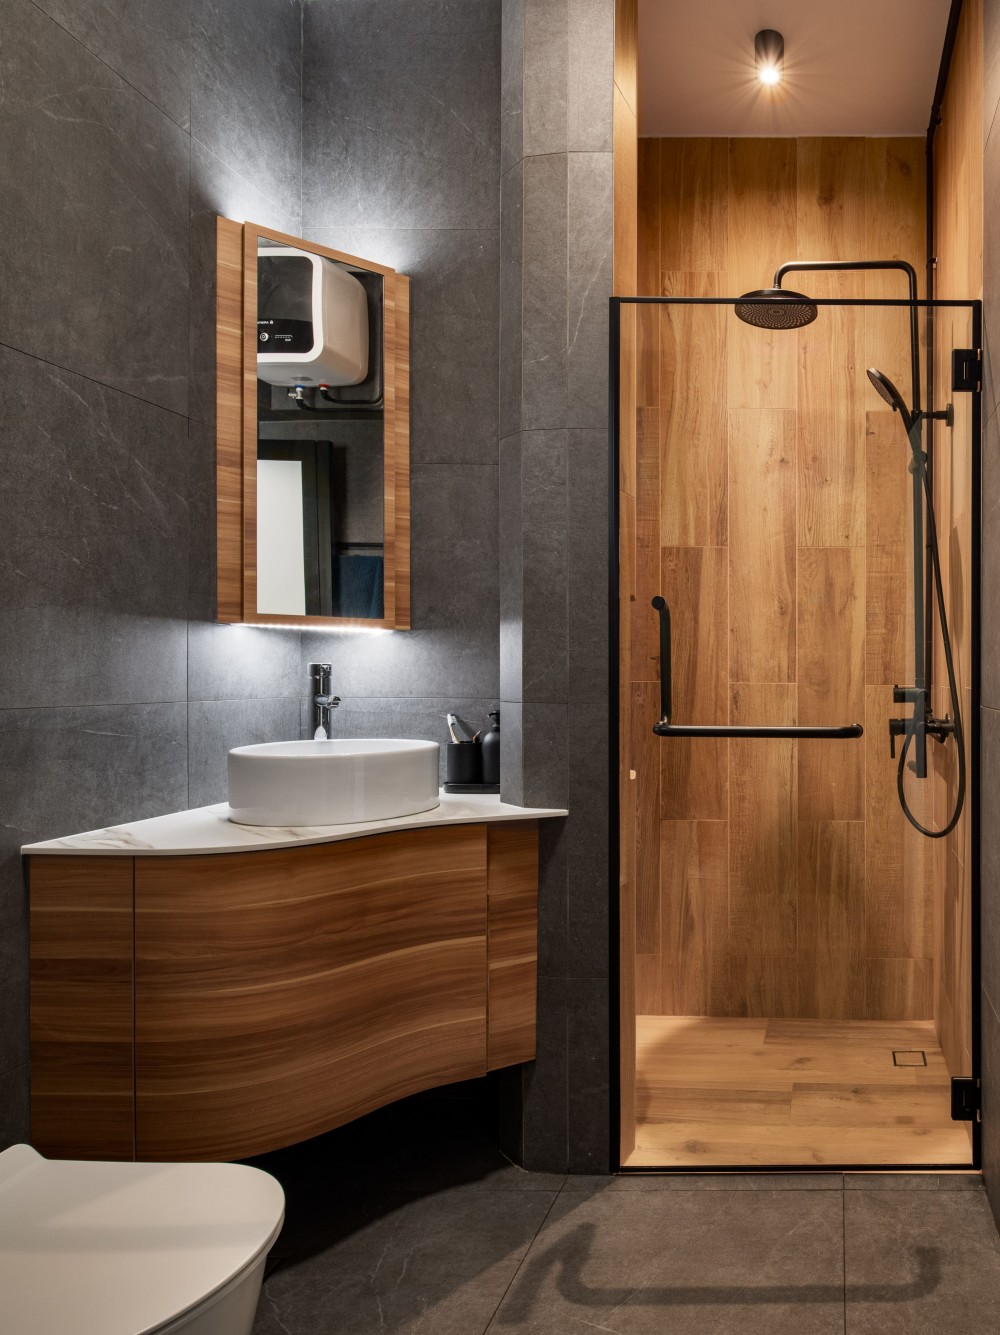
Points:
x=859 y=67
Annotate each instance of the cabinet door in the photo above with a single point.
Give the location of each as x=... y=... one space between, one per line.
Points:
x=81 y=1007
x=513 y=941
x=282 y=993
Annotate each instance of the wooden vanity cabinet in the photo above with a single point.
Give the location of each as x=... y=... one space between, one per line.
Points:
x=219 y=1006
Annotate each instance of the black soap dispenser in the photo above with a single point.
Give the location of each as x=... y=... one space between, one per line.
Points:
x=491 y=752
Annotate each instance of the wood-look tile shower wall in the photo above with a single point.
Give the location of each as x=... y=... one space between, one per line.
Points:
x=771 y=509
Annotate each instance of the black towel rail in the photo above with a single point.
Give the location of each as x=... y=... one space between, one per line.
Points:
x=664 y=727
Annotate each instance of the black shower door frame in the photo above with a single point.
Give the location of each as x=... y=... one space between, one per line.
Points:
x=975 y=309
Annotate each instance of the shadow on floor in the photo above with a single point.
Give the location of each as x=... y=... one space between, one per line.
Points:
x=411 y=1220
x=572 y=1253
x=337 y=1184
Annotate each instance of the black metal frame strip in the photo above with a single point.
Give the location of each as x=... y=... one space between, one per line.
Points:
x=868 y=302
x=614 y=738
x=974 y=731
x=720 y=1170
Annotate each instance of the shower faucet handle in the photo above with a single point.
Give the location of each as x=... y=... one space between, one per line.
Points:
x=897 y=728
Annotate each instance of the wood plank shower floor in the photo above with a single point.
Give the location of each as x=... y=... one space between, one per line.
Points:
x=712 y=1092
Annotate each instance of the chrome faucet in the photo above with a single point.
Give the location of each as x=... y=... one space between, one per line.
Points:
x=323 y=703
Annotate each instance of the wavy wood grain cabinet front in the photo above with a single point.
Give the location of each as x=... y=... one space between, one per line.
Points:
x=219 y=1006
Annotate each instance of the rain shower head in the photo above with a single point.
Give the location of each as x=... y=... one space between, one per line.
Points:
x=776 y=308
x=888 y=392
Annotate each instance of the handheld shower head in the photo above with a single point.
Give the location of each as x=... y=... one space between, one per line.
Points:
x=776 y=308
x=889 y=394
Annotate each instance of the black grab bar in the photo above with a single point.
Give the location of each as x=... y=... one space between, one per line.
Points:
x=664 y=728
x=725 y=730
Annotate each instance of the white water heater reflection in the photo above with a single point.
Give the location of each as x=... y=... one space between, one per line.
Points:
x=312 y=320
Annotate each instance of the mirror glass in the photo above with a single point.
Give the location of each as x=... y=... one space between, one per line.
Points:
x=320 y=436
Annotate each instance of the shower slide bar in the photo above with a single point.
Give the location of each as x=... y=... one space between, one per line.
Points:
x=664 y=728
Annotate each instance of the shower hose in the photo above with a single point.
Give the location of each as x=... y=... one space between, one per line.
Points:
x=921 y=465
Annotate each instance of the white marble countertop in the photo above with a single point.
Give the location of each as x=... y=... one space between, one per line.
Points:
x=209 y=829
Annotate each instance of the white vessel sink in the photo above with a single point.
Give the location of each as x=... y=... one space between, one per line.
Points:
x=331 y=783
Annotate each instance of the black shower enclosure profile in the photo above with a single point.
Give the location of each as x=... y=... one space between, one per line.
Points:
x=783 y=315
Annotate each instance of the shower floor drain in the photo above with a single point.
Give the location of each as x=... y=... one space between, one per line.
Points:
x=909 y=1057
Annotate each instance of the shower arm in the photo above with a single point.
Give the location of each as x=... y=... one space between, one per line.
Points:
x=664 y=728
x=847 y=266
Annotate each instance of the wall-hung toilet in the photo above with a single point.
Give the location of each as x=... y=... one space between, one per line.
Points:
x=132 y=1248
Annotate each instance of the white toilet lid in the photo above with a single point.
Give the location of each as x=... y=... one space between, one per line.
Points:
x=122 y=1248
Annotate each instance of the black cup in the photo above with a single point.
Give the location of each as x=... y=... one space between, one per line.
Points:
x=463 y=762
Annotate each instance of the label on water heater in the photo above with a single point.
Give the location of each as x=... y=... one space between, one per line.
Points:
x=284 y=336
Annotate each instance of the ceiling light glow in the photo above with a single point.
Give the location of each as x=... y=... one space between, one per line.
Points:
x=769 y=55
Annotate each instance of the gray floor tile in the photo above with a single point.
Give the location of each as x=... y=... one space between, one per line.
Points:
x=420 y=1146
x=705 y=1182
x=913 y=1181
x=923 y=1263
x=684 y=1262
x=438 y=1263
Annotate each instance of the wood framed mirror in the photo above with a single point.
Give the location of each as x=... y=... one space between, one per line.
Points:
x=312 y=434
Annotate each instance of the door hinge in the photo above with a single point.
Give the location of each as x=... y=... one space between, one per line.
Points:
x=966 y=370
x=965 y=1101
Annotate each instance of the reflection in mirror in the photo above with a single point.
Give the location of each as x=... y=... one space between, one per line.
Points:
x=320 y=436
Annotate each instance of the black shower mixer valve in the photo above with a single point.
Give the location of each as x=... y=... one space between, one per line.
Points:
x=921 y=724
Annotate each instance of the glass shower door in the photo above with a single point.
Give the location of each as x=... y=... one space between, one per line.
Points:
x=798 y=952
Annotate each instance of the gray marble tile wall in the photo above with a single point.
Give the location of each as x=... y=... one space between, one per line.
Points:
x=990 y=761
x=125 y=126
x=401 y=135
x=556 y=254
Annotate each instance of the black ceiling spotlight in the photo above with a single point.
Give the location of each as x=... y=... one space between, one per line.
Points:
x=769 y=50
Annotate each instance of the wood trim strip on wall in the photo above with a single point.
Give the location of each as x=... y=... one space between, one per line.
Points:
x=401 y=458
x=389 y=450
x=229 y=419
x=250 y=237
